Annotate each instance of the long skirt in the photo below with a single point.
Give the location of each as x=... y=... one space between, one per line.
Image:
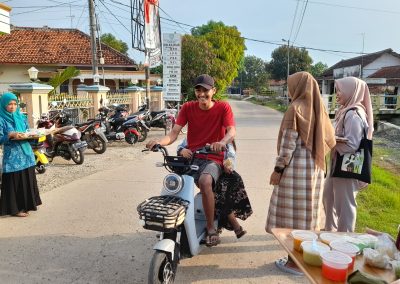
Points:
x=231 y=197
x=19 y=192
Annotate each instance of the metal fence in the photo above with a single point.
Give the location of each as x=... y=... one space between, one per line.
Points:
x=79 y=107
x=381 y=103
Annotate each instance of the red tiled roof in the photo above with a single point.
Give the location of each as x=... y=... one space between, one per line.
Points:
x=48 y=46
x=364 y=60
x=391 y=73
x=387 y=72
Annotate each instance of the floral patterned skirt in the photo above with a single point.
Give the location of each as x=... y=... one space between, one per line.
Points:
x=231 y=197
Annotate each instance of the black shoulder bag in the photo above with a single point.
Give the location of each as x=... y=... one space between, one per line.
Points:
x=356 y=165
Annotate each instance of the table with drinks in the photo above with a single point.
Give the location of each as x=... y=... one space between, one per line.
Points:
x=327 y=269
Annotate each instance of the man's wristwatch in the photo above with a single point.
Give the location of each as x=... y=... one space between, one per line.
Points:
x=279 y=170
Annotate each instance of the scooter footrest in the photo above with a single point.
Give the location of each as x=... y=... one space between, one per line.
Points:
x=162 y=213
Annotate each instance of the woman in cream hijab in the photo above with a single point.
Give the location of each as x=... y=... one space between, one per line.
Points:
x=353 y=116
x=305 y=137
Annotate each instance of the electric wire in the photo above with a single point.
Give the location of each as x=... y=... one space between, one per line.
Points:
x=46 y=7
x=294 y=19
x=101 y=1
x=301 y=22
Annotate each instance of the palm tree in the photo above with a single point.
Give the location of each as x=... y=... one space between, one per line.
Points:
x=59 y=78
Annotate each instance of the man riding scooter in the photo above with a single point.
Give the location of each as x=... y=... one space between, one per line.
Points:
x=209 y=122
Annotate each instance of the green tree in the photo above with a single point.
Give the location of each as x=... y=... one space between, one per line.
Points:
x=224 y=50
x=318 y=68
x=58 y=79
x=299 y=60
x=115 y=43
x=197 y=58
x=254 y=74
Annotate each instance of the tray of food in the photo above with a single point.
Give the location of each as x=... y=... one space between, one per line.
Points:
x=26 y=136
x=31 y=134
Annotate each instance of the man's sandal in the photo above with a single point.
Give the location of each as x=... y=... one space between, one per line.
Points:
x=212 y=239
x=240 y=232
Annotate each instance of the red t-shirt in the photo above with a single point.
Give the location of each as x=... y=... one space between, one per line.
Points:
x=206 y=126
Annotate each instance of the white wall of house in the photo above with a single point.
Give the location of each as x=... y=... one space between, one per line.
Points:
x=10 y=75
x=384 y=61
x=14 y=74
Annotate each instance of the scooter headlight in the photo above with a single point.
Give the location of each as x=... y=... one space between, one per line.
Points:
x=173 y=183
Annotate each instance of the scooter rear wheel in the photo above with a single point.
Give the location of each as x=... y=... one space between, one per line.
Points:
x=162 y=269
x=131 y=138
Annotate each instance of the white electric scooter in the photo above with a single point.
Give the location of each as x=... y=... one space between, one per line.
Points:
x=177 y=213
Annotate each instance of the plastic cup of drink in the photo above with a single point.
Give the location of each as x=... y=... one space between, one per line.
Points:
x=346 y=248
x=301 y=235
x=326 y=238
x=335 y=265
x=312 y=252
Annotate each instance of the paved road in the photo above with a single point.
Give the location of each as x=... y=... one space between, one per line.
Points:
x=87 y=231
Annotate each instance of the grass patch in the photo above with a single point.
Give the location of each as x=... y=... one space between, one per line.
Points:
x=271 y=103
x=379 y=204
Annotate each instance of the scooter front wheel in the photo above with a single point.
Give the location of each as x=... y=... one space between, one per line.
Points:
x=40 y=168
x=162 y=268
x=101 y=145
x=78 y=157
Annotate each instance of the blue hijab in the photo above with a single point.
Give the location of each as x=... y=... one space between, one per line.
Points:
x=16 y=118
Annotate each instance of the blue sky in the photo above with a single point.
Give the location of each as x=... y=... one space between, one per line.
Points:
x=327 y=24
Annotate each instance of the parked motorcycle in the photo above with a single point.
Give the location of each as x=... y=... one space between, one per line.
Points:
x=177 y=214
x=65 y=140
x=93 y=133
x=161 y=119
x=39 y=152
x=119 y=127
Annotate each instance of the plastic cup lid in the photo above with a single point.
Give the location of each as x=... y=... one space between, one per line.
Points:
x=368 y=238
x=336 y=257
x=304 y=235
x=318 y=246
x=328 y=237
x=344 y=247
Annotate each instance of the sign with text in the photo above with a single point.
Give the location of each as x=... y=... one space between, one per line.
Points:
x=172 y=66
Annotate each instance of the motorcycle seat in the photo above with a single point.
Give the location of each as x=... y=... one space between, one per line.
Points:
x=154 y=113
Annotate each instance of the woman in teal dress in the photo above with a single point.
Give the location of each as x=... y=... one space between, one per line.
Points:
x=19 y=190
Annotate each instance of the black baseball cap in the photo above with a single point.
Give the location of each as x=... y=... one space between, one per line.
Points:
x=205 y=81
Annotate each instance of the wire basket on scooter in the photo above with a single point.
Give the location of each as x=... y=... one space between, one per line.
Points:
x=162 y=213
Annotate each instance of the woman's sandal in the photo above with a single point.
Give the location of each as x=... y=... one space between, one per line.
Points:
x=240 y=232
x=212 y=239
x=22 y=214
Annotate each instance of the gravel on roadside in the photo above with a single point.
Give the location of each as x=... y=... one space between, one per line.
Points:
x=61 y=172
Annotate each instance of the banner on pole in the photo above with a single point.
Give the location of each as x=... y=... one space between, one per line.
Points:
x=172 y=66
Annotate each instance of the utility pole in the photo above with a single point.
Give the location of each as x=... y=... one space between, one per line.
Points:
x=362 y=56
x=95 y=68
x=288 y=65
x=147 y=76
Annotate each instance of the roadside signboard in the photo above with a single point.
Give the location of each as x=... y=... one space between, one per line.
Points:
x=172 y=66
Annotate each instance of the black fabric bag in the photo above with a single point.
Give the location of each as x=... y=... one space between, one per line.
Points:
x=356 y=165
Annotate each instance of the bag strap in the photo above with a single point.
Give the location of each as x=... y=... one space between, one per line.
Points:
x=354 y=108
